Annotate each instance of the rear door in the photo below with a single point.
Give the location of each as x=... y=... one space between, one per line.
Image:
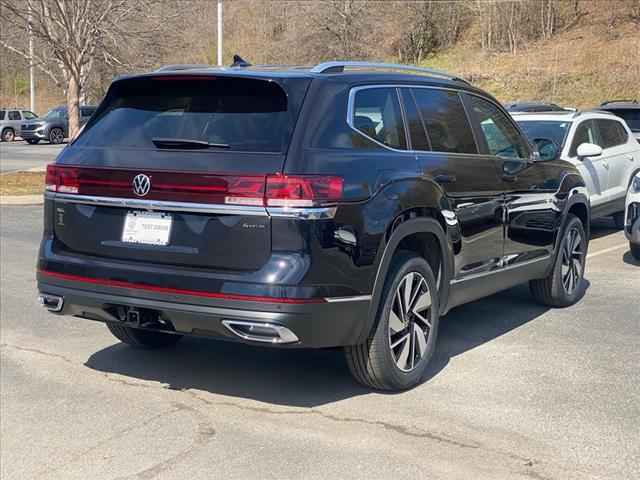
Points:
x=617 y=155
x=470 y=179
x=14 y=120
x=185 y=155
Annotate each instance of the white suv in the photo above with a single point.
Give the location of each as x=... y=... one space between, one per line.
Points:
x=632 y=224
x=599 y=144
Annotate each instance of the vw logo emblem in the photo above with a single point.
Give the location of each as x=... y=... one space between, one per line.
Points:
x=141 y=184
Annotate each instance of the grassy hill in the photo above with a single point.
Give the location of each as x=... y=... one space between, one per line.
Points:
x=580 y=67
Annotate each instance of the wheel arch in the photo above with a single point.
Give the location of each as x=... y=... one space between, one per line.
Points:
x=421 y=230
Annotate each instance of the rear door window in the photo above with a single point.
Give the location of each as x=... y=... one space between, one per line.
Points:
x=238 y=114
x=610 y=133
x=445 y=120
x=499 y=133
x=377 y=115
x=417 y=134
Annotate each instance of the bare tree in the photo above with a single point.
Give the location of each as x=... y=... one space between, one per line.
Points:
x=75 y=34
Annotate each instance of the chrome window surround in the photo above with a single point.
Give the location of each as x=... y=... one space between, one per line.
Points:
x=355 y=90
x=299 y=213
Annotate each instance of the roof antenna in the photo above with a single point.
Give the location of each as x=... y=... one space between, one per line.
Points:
x=238 y=61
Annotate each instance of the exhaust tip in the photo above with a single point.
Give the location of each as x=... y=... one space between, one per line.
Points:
x=260 y=331
x=53 y=303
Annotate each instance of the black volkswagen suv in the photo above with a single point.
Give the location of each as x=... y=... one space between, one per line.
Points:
x=344 y=205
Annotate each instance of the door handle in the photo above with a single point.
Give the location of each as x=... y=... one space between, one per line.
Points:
x=444 y=178
x=630 y=158
x=605 y=165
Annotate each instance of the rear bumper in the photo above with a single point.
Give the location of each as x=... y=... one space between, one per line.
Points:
x=334 y=322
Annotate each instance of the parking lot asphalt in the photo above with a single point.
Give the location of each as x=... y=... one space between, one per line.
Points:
x=515 y=391
x=19 y=155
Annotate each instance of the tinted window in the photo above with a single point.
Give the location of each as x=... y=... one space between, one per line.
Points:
x=610 y=133
x=56 y=114
x=1 y=114
x=445 y=120
x=27 y=115
x=585 y=133
x=242 y=114
x=631 y=117
x=500 y=135
x=14 y=115
x=376 y=113
x=414 y=122
x=549 y=129
x=87 y=111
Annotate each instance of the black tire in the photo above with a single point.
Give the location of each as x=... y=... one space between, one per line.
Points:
x=143 y=338
x=618 y=220
x=560 y=288
x=635 y=250
x=8 y=135
x=375 y=363
x=32 y=141
x=56 y=136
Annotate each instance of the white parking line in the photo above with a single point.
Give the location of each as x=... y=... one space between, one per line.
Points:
x=607 y=250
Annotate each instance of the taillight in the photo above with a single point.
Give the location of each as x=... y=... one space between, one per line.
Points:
x=250 y=190
x=302 y=191
x=62 y=179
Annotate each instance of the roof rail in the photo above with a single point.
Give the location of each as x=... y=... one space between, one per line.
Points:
x=185 y=66
x=339 y=66
x=618 y=101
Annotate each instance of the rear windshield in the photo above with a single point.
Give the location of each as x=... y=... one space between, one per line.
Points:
x=547 y=129
x=236 y=113
x=631 y=116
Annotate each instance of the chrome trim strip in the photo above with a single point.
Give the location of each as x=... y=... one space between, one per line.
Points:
x=499 y=270
x=158 y=205
x=358 y=298
x=222 y=209
x=301 y=213
x=284 y=335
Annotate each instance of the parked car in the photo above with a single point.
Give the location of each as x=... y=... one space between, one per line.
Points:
x=54 y=126
x=11 y=122
x=349 y=204
x=629 y=110
x=632 y=226
x=535 y=107
x=599 y=144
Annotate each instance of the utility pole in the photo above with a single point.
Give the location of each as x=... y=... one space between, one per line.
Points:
x=219 y=33
x=32 y=80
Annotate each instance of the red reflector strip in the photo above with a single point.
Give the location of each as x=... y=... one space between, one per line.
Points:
x=177 y=291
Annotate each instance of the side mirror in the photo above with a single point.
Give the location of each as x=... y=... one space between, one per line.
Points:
x=546 y=149
x=589 y=150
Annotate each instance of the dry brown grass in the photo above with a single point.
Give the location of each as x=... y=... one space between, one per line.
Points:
x=580 y=67
x=21 y=183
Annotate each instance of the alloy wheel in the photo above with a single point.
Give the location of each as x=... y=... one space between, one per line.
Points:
x=56 y=136
x=409 y=321
x=572 y=260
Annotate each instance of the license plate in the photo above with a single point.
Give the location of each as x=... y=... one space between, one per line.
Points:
x=150 y=228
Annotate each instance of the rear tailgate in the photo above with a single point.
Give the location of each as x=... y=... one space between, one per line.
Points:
x=121 y=194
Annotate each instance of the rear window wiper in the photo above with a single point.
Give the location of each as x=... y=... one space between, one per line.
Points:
x=185 y=143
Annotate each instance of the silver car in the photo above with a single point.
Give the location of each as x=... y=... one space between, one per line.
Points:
x=11 y=121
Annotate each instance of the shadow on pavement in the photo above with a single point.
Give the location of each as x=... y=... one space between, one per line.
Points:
x=628 y=258
x=305 y=378
x=601 y=227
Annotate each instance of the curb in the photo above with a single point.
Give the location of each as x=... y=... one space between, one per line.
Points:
x=21 y=200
